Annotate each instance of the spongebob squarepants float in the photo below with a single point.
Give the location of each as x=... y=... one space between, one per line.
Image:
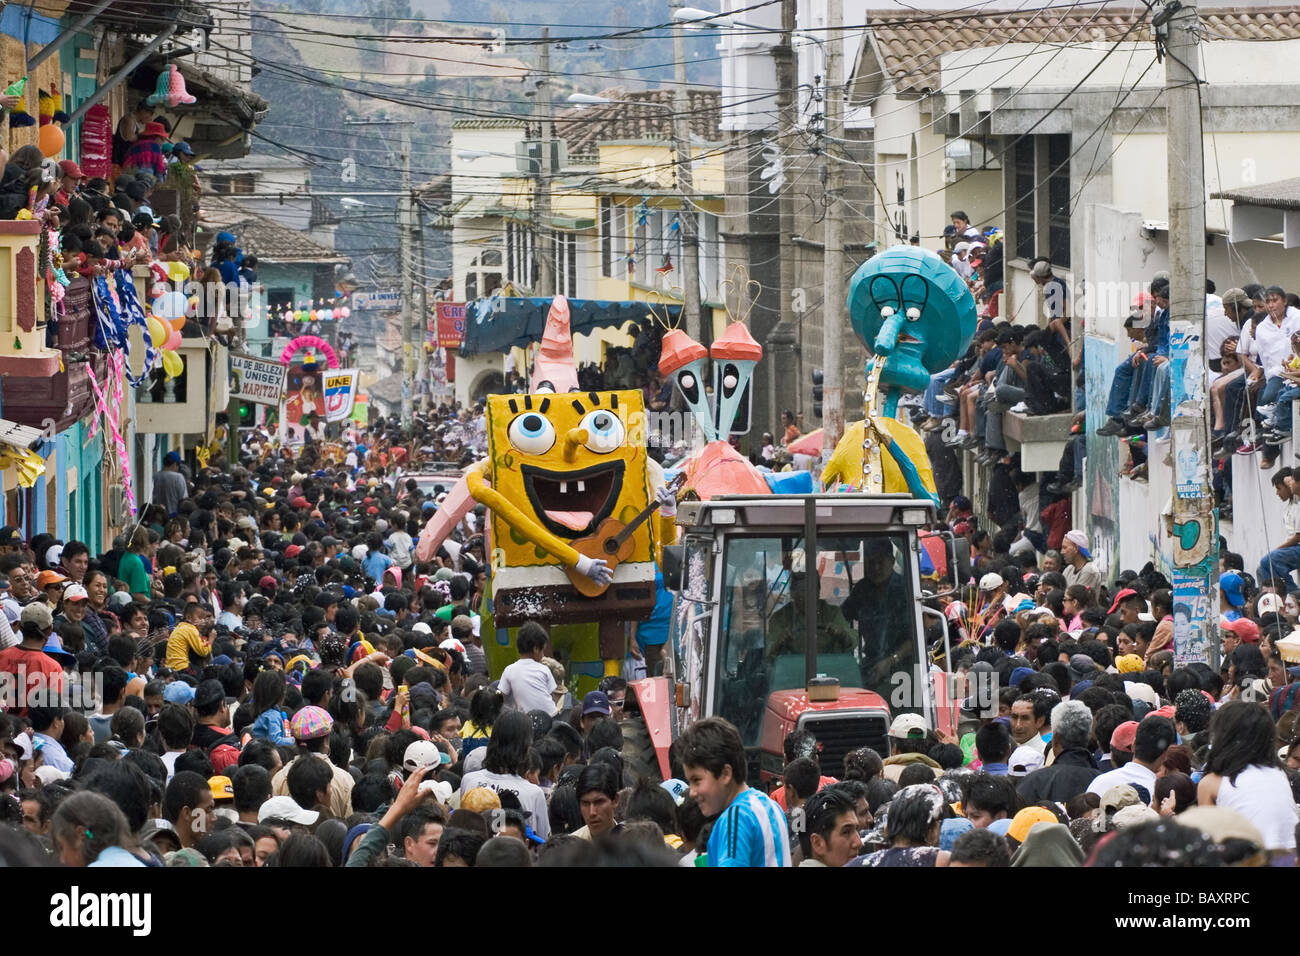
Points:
x=574 y=522
x=916 y=317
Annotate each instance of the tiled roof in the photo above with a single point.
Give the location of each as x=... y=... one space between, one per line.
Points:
x=911 y=44
x=262 y=237
x=583 y=128
x=1283 y=194
x=488 y=123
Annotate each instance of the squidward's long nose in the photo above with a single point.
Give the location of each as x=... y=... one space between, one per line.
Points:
x=887 y=338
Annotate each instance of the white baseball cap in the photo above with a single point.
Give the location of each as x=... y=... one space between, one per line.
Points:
x=421 y=753
x=286 y=808
x=991 y=581
x=53 y=555
x=906 y=725
x=75 y=592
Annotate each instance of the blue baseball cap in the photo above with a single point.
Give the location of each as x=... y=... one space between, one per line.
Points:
x=1230 y=584
x=178 y=692
x=596 y=702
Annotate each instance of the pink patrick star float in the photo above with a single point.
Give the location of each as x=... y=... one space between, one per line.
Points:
x=717 y=469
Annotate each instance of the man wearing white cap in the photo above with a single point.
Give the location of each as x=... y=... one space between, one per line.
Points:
x=960 y=260
x=1079 y=566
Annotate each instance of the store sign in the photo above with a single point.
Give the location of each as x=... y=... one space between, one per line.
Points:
x=450 y=324
x=376 y=300
x=254 y=379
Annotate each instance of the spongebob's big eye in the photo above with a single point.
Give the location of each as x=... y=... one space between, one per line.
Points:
x=532 y=434
x=604 y=431
x=913 y=314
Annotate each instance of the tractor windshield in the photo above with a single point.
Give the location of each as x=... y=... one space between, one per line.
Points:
x=865 y=618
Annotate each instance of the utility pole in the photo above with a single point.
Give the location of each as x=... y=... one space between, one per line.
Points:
x=545 y=257
x=421 y=297
x=404 y=253
x=1193 y=528
x=690 y=264
x=786 y=358
x=833 y=298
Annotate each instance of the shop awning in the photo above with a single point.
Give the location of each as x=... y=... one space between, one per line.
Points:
x=498 y=324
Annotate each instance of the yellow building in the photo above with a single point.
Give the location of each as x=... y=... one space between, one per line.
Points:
x=614 y=215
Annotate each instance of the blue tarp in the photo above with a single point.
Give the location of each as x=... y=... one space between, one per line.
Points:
x=498 y=324
x=13 y=22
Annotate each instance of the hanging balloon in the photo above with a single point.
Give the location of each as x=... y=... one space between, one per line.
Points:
x=158 y=332
x=173 y=341
x=313 y=315
x=327 y=314
x=170 y=306
x=50 y=140
x=177 y=322
x=286 y=315
x=172 y=364
x=345 y=312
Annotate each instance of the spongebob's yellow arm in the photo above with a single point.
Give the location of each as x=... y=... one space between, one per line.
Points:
x=505 y=510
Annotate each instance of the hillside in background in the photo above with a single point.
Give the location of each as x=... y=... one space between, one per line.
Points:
x=323 y=62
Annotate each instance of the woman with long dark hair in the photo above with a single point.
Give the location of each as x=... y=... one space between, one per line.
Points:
x=1242 y=772
x=504 y=766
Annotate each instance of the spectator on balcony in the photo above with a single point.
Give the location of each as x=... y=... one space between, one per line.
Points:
x=1285 y=558
x=1055 y=297
x=1046 y=374
x=961 y=227
x=1265 y=345
x=960 y=260
x=1133 y=384
x=146 y=153
x=1278 y=427
x=70 y=179
x=129 y=128
x=169 y=485
x=1007 y=389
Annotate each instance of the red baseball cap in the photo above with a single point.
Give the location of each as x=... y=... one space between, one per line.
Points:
x=1124 y=737
x=1126 y=593
x=69 y=167
x=292 y=551
x=1245 y=629
x=267 y=582
x=300 y=502
x=372 y=510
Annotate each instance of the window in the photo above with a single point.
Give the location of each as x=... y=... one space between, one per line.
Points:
x=1058 y=200
x=1041 y=179
x=710 y=255
x=520 y=266
x=613 y=238
x=1024 y=179
x=606 y=236
x=564 y=255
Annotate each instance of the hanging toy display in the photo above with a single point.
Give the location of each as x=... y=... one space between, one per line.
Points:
x=18 y=116
x=170 y=90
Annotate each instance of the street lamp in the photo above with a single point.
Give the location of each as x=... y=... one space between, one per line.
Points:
x=469 y=155
x=693 y=18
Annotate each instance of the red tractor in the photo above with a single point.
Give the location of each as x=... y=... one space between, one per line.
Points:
x=745 y=647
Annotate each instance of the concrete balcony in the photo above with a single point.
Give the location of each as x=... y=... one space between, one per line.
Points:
x=1040 y=439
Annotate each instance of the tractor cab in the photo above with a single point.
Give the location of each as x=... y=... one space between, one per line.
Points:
x=803 y=611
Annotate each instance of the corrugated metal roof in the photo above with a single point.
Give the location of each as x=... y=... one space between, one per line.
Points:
x=1283 y=194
